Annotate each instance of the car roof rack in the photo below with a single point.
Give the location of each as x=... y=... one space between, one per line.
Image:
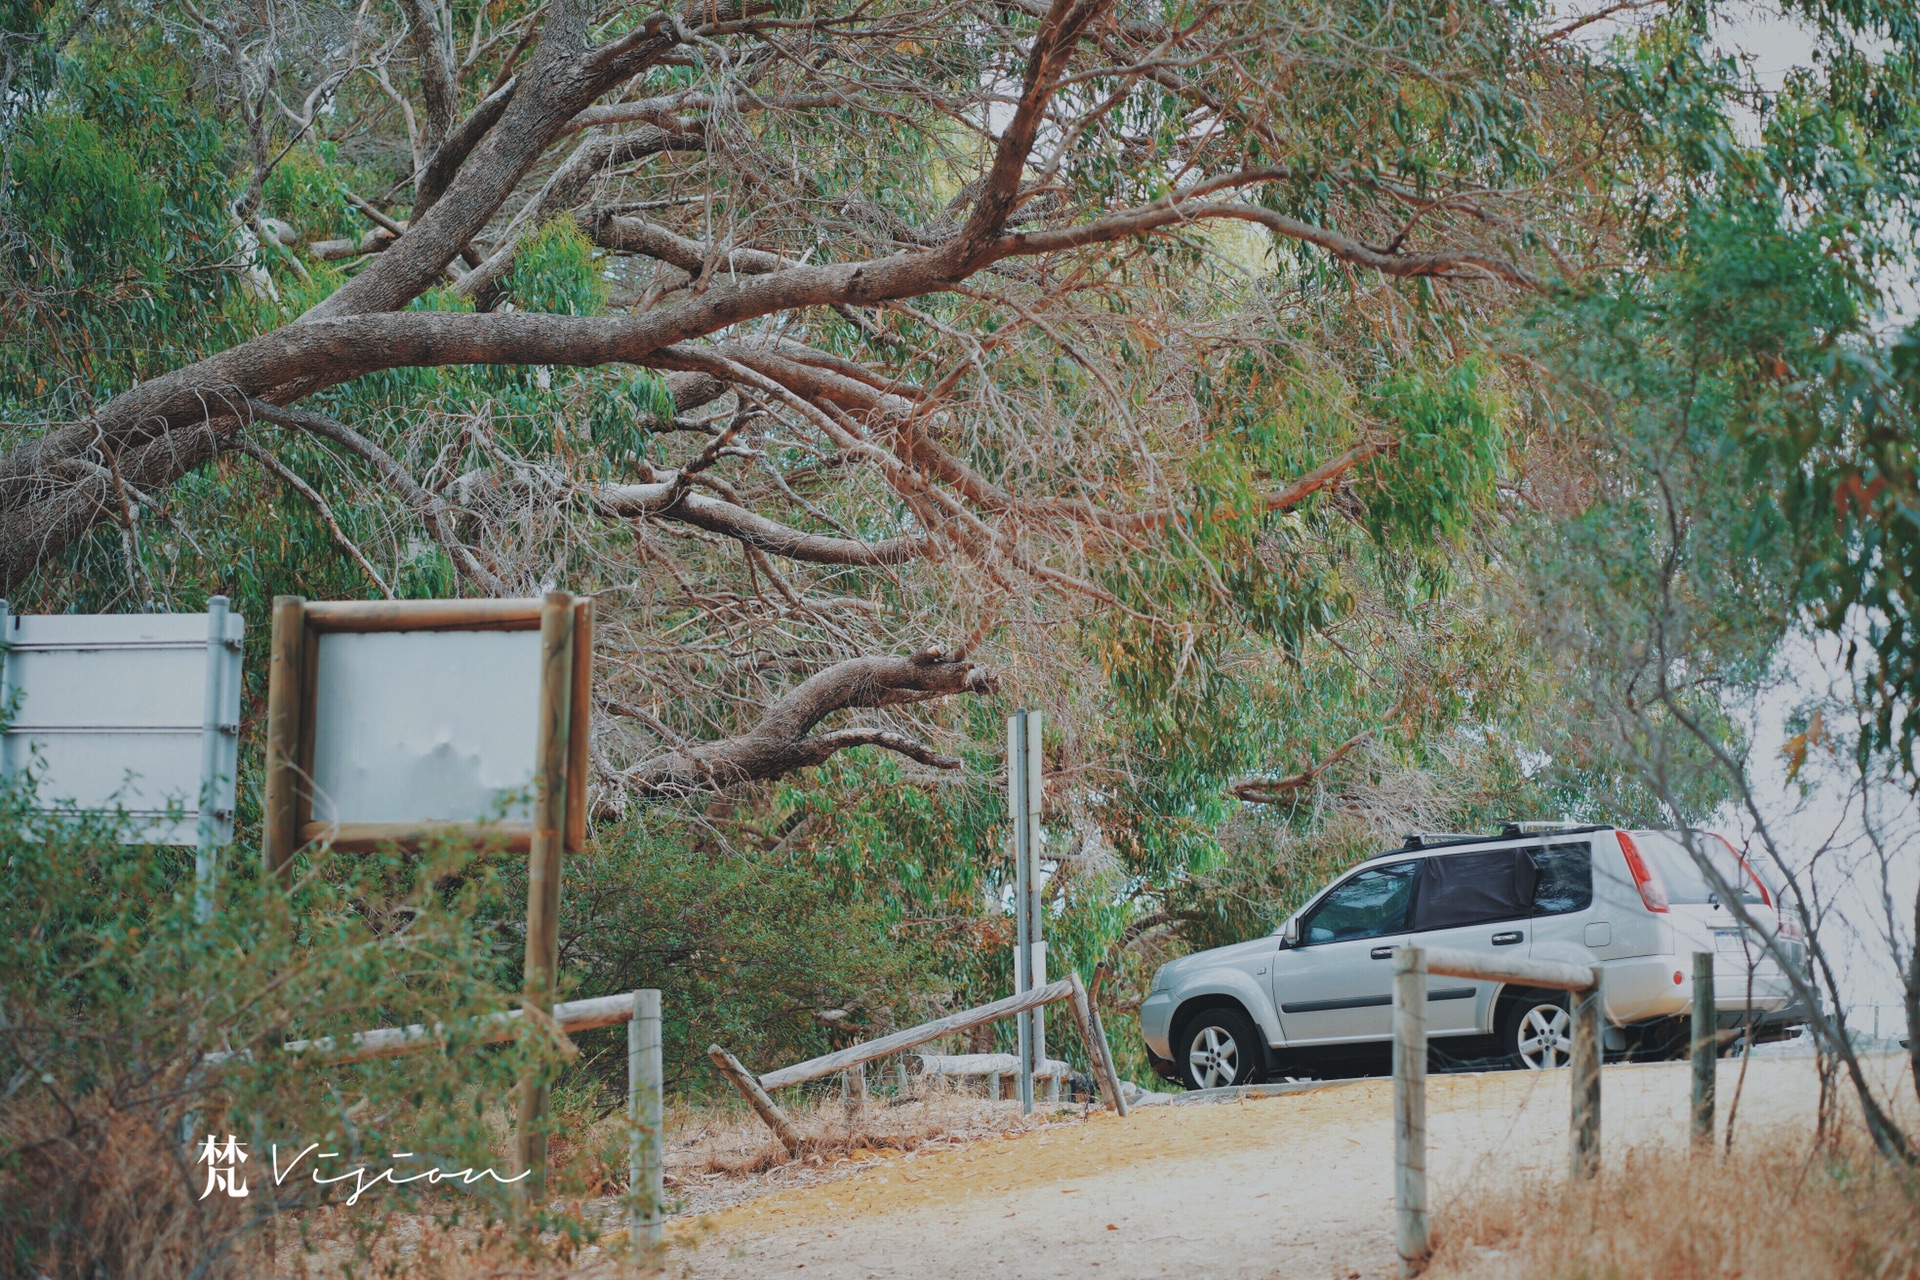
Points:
x=1508 y=831
x=1434 y=839
x=1546 y=826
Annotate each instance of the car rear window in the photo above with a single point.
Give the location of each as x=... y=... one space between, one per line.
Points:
x=1685 y=881
x=1564 y=879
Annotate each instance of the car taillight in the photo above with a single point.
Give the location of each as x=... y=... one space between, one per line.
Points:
x=1789 y=926
x=1652 y=892
x=1758 y=883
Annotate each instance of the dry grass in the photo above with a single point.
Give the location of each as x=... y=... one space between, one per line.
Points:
x=721 y=1155
x=99 y=1190
x=717 y=1156
x=1777 y=1207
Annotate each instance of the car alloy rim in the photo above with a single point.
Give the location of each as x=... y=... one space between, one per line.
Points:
x=1544 y=1039
x=1214 y=1058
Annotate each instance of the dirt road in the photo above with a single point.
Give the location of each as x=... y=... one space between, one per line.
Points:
x=1299 y=1185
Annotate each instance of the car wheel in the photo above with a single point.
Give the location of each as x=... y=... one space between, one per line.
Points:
x=1219 y=1047
x=1539 y=1033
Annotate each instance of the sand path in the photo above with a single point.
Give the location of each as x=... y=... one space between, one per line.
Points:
x=1299 y=1185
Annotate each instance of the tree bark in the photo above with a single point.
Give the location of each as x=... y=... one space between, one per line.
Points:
x=781 y=742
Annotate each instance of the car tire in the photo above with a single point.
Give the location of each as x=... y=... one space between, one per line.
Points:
x=1538 y=1032
x=1217 y=1048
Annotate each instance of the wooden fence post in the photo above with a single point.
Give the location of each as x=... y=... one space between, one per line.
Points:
x=1099 y=1052
x=543 y=862
x=647 y=1147
x=756 y=1097
x=1705 y=1050
x=1584 y=1068
x=286 y=671
x=1410 y=1107
x=853 y=1093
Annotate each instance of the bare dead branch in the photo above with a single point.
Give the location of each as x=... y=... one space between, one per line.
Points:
x=781 y=742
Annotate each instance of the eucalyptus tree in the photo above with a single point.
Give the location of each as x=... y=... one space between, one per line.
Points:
x=833 y=344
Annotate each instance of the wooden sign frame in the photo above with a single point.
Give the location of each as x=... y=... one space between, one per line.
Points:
x=563 y=722
x=565 y=719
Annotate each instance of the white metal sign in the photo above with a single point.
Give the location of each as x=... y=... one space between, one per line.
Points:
x=134 y=713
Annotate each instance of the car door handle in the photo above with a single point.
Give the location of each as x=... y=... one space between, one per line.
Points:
x=1381 y=953
x=1507 y=939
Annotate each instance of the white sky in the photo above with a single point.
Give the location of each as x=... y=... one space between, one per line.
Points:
x=1817 y=817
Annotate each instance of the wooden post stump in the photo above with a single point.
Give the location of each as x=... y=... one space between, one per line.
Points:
x=1584 y=1067
x=1705 y=1051
x=1410 y=1108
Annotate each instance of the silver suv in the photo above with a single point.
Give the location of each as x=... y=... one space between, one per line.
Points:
x=1314 y=997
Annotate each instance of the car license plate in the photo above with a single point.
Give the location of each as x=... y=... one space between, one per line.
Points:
x=1727 y=942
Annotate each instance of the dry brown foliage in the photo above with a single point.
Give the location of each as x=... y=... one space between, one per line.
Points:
x=126 y=1190
x=1778 y=1206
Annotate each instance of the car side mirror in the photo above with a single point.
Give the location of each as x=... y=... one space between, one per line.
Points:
x=1290 y=933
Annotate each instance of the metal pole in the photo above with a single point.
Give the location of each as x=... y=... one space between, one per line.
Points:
x=210 y=827
x=1022 y=902
x=1584 y=1068
x=1016 y=791
x=6 y=623
x=1704 y=1050
x=1036 y=917
x=1410 y=1107
x=646 y=1148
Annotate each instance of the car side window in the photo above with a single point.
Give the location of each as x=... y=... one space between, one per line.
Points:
x=1371 y=905
x=1481 y=887
x=1565 y=879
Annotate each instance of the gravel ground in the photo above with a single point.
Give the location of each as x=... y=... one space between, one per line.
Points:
x=1298 y=1185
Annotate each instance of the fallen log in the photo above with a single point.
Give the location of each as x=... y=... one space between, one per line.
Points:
x=984 y=1064
x=914 y=1037
x=763 y=1106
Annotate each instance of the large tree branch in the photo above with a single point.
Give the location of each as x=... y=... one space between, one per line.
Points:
x=1179 y=211
x=1060 y=29
x=563 y=78
x=431 y=183
x=670 y=499
x=437 y=87
x=562 y=189
x=41 y=510
x=782 y=742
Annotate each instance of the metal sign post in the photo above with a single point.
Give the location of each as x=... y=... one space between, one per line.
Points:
x=1036 y=917
x=219 y=759
x=1024 y=787
x=1017 y=817
x=132 y=714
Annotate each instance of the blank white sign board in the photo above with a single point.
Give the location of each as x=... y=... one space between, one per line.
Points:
x=416 y=726
x=113 y=713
